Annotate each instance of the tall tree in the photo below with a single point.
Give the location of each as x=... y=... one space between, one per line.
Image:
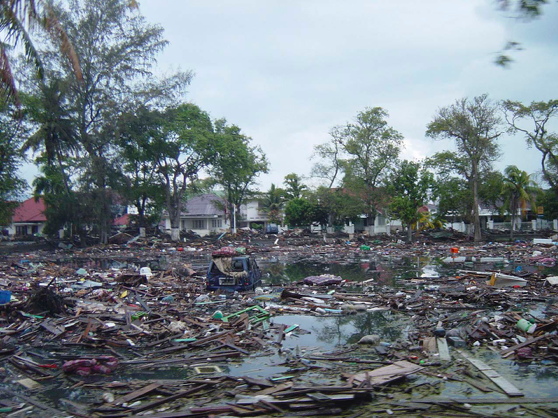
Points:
x=116 y=49
x=294 y=188
x=237 y=164
x=372 y=147
x=409 y=187
x=474 y=125
x=55 y=133
x=11 y=158
x=518 y=190
x=338 y=204
x=272 y=204
x=539 y=115
x=142 y=185
x=185 y=146
x=330 y=165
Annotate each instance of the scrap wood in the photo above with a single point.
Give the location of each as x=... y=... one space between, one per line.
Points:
x=443 y=349
x=205 y=340
x=387 y=373
x=54 y=329
x=481 y=401
x=489 y=372
x=264 y=383
x=274 y=389
x=136 y=394
x=348 y=359
x=509 y=351
x=181 y=394
x=51 y=411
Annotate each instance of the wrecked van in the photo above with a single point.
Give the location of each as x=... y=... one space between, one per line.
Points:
x=235 y=273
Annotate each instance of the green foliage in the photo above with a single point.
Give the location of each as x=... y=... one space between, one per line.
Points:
x=409 y=187
x=272 y=203
x=372 y=147
x=11 y=186
x=184 y=145
x=303 y=212
x=18 y=18
x=454 y=197
x=538 y=115
x=338 y=205
x=117 y=50
x=64 y=208
x=549 y=201
x=490 y=189
x=294 y=188
x=330 y=165
x=517 y=190
x=474 y=125
x=142 y=185
x=298 y=213
x=237 y=163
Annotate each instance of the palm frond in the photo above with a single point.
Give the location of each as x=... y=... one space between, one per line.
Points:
x=57 y=32
x=7 y=82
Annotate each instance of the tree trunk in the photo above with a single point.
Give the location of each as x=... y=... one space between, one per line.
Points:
x=513 y=216
x=476 y=215
x=409 y=232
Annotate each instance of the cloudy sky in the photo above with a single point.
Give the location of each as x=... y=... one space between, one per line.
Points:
x=287 y=71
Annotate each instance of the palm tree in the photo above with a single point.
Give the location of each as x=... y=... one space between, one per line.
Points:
x=18 y=18
x=518 y=189
x=56 y=133
x=272 y=203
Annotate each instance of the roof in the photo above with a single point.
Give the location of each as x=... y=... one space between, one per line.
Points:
x=30 y=211
x=121 y=220
x=205 y=205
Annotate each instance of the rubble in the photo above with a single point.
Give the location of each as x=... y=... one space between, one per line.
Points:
x=129 y=328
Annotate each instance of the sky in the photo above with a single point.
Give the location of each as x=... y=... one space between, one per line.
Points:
x=288 y=71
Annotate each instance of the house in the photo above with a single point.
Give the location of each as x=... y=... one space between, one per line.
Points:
x=204 y=214
x=28 y=219
x=251 y=213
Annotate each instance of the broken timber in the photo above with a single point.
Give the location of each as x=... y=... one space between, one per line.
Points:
x=493 y=375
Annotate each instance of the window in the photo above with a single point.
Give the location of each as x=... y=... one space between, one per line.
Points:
x=21 y=230
x=216 y=223
x=199 y=223
x=34 y=229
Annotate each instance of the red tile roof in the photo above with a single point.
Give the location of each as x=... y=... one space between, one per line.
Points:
x=122 y=220
x=30 y=211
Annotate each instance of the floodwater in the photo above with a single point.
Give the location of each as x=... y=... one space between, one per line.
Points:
x=329 y=335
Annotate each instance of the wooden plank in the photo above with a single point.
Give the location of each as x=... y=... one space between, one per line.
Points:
x=493 y=375
x=443 y=349
x=264 y=383
x=171 y=398
x=274 y=389
x=510 y=350
x=480 y=401
x=429 y=345
x=136 y=394
x=202 y=341
x=387 y=373
x=56 y=330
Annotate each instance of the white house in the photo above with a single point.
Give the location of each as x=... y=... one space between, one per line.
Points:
x=251 y=213
x=203 y=214
x=28 y=219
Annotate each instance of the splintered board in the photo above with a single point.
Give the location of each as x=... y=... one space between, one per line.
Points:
x=387 y=373
x=493 y=375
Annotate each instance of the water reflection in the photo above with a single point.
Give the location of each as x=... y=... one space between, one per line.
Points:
x=330 y=332
x=385 y=271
